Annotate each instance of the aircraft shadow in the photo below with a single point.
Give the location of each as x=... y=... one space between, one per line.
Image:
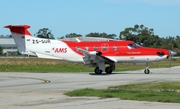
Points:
x=104 y=74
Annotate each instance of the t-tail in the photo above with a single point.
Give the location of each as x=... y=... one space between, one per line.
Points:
x=20 y=34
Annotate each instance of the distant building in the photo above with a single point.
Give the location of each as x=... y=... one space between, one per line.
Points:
x=8 y=45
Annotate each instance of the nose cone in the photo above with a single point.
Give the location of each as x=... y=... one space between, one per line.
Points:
x=172 y=53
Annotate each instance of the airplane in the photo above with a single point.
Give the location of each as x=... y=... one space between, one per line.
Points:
x=93 y=52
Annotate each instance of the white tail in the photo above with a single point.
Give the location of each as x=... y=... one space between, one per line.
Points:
x=43 y=48
x=20 y=34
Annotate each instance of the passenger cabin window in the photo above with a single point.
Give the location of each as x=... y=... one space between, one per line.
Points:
x=115 y=48
x=104 y=47
x=95 y=48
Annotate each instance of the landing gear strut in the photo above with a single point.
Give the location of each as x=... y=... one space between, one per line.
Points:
x=147 y=71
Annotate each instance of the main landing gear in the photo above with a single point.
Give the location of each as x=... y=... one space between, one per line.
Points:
x=147 y=71
x=108 y=69
x=97 y=70
x=100 y=67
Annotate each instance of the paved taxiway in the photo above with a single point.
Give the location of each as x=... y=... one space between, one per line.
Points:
x=45 y=90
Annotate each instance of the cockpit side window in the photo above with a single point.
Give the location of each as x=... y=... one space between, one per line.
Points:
x=133 y=46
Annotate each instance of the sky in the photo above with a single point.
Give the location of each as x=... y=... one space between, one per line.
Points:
x=85 y=16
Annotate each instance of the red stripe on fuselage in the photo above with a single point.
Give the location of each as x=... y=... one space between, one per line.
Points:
x=114 y=48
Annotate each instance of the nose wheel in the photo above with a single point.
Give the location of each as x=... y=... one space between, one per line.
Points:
x=147 y=71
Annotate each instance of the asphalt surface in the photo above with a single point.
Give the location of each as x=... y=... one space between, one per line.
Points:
x=46 y=90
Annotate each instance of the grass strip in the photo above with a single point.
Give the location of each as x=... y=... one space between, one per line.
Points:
x=50 y=65
x=161 y=95
x=152 y=86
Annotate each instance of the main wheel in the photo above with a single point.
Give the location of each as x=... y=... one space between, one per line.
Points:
x=108 y=70
x=97 y=70
x=146 y=71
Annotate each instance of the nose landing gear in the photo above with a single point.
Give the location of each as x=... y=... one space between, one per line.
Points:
x=147 y=71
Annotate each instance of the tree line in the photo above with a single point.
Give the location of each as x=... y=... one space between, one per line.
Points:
x=146 y=37
x=138 y=33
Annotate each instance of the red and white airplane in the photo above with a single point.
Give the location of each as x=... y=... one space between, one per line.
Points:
x=94 y=52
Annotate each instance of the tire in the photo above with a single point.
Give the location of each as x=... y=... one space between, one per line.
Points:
x=97 y=71
x=146 y=71
x=108 y=70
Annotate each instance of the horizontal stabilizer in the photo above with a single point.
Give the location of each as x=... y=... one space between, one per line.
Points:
x=19 y=29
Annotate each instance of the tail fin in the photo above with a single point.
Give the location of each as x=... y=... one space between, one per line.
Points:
x=20 y=34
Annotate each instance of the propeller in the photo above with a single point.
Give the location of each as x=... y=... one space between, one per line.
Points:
x=171 y=53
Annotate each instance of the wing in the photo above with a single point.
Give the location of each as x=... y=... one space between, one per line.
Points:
x=93 y=57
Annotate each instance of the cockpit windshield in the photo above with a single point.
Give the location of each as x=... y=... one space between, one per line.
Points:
x=133 y=46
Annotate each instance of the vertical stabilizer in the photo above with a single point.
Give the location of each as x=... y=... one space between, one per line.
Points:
x=19 y=34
